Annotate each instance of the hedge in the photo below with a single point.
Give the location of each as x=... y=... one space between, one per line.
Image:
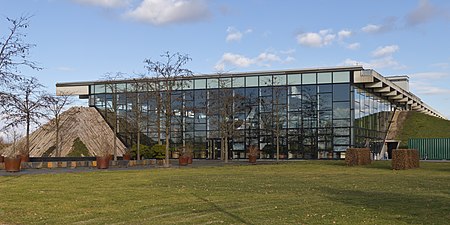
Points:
x=403 y=159
x=357 y=156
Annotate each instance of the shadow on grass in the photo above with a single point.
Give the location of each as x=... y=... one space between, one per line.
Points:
x=413 y=208
x=222 y=210
x=383 y=165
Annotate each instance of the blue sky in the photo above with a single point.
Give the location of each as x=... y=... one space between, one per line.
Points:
x=81 y=40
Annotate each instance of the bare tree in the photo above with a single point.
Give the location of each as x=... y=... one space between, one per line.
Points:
x=112 y=108
x=171 y=67
x=23 y=105
x=56 y=105
x=14 y=51
x=223 y=105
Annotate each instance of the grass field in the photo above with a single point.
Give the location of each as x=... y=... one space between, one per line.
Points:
x=305 y=192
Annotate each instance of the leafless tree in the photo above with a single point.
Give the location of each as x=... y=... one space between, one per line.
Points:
x=56 y=105
x=112 y=108
x=14 y=51
x=169 y=69
x=223 y=106
x=23 y=105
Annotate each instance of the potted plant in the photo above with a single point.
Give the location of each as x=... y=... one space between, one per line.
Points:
x=175 y=153
x=183 y=160
x=103 y=159
x=253 y=152
x=12 y=162
x=127 y=154
x=189 y=153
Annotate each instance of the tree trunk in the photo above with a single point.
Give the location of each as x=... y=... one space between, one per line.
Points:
x=138 y=140
x=57 y=151
x=28 y=135
x=226 y=149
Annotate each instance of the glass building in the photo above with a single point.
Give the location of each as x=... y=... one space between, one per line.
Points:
x=305 y=114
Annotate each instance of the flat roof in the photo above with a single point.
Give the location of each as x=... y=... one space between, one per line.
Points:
x=226 y=74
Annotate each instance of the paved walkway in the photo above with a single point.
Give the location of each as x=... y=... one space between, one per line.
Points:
x=173 y=164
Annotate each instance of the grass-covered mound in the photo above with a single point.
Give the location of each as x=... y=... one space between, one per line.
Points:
x=419 y=125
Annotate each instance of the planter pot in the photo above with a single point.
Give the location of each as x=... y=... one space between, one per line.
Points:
x=252 y=159
x=175 y=155
x=282 y=156
x=12 y=164
x=103 y=162
x=189 y=159
x=2 y=158
x=127 y=156
x=203 y=154
x=24 y=157
x=183 y=160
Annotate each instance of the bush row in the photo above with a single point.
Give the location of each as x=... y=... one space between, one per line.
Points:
x=405 y=159
x=357 y=156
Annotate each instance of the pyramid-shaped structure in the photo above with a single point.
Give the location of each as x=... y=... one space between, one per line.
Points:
x=84 y=123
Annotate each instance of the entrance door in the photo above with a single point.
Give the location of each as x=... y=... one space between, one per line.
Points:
x=214 y=149
x=391 y=146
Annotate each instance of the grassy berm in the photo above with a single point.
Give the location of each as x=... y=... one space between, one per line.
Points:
x=305 y=192
x=419 y=125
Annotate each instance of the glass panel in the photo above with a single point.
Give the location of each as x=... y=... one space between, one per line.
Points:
x=309 y=78
x=213 y=83
x=279 y=80
x=225 y=82
x=341 y=110
x=325 y=88
x=324 y=78
x=200 y=84
x=251 y=81
x=341 y=77
x=265 y=80
x=238 y=82
x=294 y=79
x=99 y=88
x=341 y=92
x=188 y=85
x=325 y=101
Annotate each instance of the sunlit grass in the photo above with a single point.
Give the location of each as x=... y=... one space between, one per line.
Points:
x=308 y=192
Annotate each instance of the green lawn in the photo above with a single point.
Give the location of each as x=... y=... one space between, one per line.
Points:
x=305 y=192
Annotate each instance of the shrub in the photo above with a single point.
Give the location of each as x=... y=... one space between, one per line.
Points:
x=79 y=149
x=403 y=159
x=357 y=156
x=144 y=151
x=158 y=151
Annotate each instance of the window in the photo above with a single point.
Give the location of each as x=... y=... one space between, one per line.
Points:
x=309 y=78
x=341 y=77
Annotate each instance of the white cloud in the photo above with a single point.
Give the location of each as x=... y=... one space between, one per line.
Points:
x=320 y=39
x=383 y=51
x=105 y=3
x=442 y=65
x=430 y=75
x=353 y=46
x=289 y=59
x=263 y=59
x=344 y=34
x=426 y=88
x=65 y=69
x=235 y=35
x=371 y=28
x=380 y=63
x=423 y=13
x=161 y=12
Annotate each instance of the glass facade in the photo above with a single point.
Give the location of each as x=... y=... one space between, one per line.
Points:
x=312 y=115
